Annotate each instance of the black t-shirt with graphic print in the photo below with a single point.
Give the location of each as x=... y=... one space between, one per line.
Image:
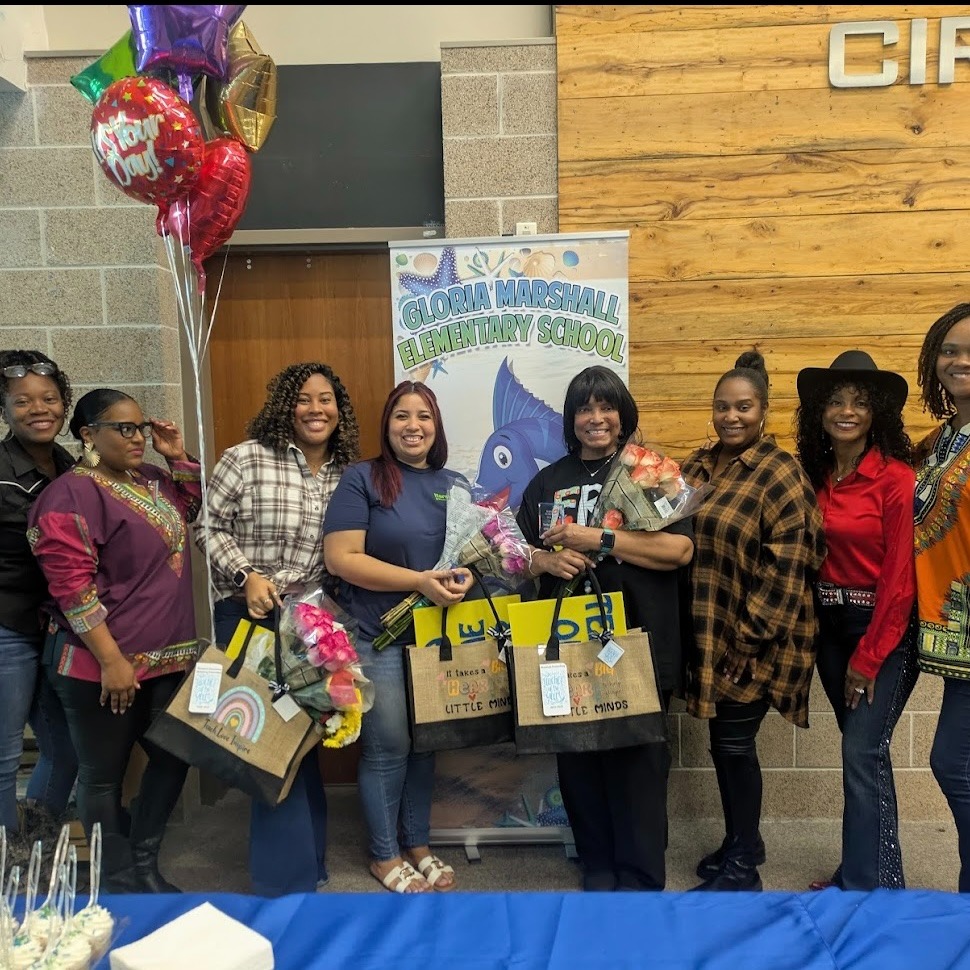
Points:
x=651 y=597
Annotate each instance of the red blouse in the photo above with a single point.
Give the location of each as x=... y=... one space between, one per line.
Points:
x=868 y=523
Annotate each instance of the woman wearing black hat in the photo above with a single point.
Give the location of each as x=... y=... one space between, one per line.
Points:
x=852 y=444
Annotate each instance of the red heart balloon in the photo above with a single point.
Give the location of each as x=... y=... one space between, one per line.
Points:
x=204 y=218
x=147 y=139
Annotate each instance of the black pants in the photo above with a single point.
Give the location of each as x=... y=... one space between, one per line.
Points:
x=104 y=741
x=617 y=807
x=733 y=732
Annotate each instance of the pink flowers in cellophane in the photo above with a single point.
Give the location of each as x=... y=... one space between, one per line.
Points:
x=327 y=642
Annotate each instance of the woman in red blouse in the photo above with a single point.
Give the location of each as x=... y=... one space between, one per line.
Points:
x=851 y=442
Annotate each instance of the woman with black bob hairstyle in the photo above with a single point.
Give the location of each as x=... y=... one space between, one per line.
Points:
x=266 y=502
x=111 y=538
x=616 y=800
x=852 y=445
x=35 y=395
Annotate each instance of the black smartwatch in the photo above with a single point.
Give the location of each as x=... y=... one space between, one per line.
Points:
x=241 y=575
x=607 y=541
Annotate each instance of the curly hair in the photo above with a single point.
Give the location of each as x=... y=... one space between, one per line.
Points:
x=273 y=426
x=750 y=367
x=936 y=398
x=385 y=471
x=813 y=446
x=10 y=358
x=598 y=383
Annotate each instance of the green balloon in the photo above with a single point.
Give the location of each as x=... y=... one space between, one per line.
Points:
x=116 y=62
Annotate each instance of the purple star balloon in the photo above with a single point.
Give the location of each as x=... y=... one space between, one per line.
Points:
x=186 y=40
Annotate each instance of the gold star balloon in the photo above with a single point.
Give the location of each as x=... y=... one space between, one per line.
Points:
x=244 y=106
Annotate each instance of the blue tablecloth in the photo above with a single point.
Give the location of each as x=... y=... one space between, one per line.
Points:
x=902 y=930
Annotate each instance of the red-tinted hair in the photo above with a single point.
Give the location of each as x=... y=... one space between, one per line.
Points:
x=385 y=469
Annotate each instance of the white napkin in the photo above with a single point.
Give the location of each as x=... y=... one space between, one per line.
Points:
x=202 y=937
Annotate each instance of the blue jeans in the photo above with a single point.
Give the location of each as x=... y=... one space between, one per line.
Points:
x=287 y=842
x=26 y=697
x=950 y=761
x=871 y=856
x=395 y=783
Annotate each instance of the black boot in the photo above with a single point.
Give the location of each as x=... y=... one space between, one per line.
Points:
x=711 y=864
x=146 y=867
x=733 y=876
x=118 y=866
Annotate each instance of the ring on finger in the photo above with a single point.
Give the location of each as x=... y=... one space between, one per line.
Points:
x=859 y=690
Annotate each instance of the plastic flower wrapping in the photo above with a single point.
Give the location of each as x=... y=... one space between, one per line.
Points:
x=320 y=665
x=644 y=491
x=477 y=534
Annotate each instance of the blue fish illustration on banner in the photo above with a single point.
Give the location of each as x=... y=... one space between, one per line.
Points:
x=527 y=437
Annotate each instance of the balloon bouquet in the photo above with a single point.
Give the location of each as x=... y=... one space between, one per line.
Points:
x=152 y=145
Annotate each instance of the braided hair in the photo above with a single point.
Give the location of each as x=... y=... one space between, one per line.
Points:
x=936 y=398
x=273 y=426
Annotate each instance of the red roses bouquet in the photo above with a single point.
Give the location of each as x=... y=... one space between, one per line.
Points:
x=645 y=491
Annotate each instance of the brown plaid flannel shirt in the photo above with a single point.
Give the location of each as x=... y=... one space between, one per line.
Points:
x=759 y=544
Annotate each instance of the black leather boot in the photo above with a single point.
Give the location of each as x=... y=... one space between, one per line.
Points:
x=150 y=880
x=733 y=876
x=711 y=864
x=117 y=866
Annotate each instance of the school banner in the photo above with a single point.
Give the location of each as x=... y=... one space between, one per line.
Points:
x=497 y=328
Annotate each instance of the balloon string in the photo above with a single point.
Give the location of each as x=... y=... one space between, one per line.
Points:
x=191 y=306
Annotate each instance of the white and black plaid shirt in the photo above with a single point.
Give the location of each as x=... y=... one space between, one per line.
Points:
x=266 y=511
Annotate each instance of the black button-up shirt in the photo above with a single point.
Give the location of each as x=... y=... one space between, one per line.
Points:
x=23 y=587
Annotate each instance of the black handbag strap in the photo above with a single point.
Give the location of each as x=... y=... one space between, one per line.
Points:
x=278 y=685
x=498 y=631
x=605 y=634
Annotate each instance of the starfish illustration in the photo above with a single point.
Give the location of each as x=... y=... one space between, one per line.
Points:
x=444 y=276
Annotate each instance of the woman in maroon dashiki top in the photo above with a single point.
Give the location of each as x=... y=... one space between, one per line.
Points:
x=110 y=536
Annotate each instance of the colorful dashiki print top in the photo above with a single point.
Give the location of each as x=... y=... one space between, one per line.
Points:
x=117 y=554
x=942 y=540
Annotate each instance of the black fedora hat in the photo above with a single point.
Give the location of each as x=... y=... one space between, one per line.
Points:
x=850 y=366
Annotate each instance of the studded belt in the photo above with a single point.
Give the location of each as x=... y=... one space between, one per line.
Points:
x=830 y=595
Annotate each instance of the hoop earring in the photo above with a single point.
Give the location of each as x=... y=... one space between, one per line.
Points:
x=710 y=425
x=761 y=430
x=90 y=455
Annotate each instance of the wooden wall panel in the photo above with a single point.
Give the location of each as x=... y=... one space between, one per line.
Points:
x=766 y=208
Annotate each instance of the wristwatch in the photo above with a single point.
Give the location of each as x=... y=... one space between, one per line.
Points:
x=241 y=575
x=607 y=541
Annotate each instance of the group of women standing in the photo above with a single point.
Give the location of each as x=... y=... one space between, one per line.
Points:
x=792 y=561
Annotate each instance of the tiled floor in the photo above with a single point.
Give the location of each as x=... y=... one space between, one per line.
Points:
x=207 y=852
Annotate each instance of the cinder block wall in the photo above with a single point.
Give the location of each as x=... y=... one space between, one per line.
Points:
x=499 y=114
x=81 y=274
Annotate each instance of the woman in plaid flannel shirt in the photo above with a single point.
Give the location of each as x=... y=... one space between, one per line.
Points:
x=758 y=543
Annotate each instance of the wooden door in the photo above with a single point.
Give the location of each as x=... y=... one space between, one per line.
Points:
x=276 y=309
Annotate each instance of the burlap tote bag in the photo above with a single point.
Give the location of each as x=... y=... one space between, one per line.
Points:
x=458 y=695
x=610 y=706
x=246 y=743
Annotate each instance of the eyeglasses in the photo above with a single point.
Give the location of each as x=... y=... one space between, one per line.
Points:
x=126 y=429
x=20 y=370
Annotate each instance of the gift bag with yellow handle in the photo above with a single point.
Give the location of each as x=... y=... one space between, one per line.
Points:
x=458 y=683
x=580 y=680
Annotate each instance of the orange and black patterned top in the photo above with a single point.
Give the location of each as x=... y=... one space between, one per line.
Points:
x=758 y=548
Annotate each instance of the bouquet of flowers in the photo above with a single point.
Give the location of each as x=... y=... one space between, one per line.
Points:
x=320 y=666
x=476 y=534
x=645 y=491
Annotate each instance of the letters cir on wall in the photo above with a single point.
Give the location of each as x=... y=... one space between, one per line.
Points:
x=950 y=52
